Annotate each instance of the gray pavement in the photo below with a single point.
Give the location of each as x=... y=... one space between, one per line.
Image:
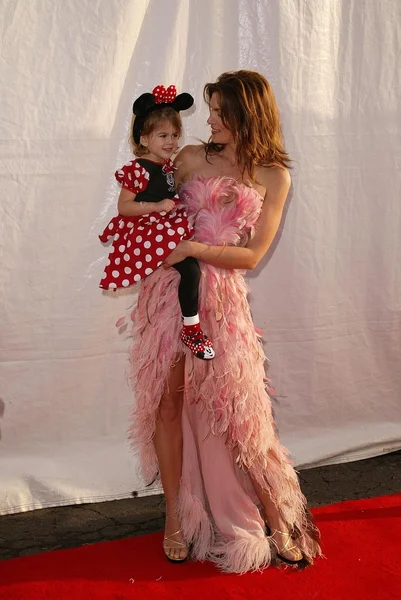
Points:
x=69 y=526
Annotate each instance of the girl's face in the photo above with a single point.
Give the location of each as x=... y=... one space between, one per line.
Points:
x=220 y=133
x=162 y=143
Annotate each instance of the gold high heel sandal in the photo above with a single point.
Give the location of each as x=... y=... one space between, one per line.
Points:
x=170 y=544
x=300 y=562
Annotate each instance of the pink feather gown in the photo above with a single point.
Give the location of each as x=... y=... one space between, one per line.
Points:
x=228 y=427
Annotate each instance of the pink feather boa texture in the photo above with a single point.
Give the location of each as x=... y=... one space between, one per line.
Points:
x=230 y=391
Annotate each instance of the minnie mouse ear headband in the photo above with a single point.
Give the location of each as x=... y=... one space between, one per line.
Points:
x=159 y=98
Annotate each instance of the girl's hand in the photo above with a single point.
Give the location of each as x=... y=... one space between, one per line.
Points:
x=165 y=205
x=183 y=250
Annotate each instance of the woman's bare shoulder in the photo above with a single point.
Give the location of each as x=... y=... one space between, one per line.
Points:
x=190 y=152
x=188 y=161
x=275 y=179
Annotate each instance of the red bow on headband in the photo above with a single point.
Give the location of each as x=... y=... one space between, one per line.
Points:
x=163 y=95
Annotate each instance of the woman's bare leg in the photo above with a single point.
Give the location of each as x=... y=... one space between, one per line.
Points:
x=168 y=446
x=276 y=524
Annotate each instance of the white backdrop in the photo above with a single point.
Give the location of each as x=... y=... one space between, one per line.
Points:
x=328 y=296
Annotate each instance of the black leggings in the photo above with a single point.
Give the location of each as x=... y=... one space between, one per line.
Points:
x=188 y=290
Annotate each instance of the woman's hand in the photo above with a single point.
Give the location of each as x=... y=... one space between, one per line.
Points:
x=183 y=250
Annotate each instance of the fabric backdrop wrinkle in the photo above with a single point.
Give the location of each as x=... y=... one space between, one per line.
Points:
x=327 y=295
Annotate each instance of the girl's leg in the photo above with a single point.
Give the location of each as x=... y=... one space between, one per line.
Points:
x=188 y=295
x=188 y=288
x=278 y=527
x=168 y=446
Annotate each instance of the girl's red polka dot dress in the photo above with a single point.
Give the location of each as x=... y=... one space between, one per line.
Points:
x=141 y=244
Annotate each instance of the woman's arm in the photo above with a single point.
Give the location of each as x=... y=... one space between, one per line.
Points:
x=277 y=182
x=128 y=208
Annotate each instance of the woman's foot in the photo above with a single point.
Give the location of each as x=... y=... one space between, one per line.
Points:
x=175 y=549
x=287 y=550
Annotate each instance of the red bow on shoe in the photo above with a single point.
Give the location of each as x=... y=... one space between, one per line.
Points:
x=163 y=95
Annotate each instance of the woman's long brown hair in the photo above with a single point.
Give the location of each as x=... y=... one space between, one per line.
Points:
x=249 y=110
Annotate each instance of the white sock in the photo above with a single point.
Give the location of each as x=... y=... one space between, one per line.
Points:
x=191 y=320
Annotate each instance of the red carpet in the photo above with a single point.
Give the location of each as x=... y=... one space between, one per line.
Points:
x=361 y=542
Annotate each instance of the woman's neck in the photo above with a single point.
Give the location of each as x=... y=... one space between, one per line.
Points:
x=229 y=154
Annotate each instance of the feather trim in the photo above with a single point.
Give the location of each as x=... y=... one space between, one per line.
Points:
x=232 y=389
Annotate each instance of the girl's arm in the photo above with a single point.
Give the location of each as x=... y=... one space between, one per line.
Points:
x=276 y=181
x=128 y=208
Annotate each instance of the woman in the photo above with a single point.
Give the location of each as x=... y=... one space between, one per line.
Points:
x=207 y=428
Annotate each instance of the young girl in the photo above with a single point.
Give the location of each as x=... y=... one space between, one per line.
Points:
x=151 y=221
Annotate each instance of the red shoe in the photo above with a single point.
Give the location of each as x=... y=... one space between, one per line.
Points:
x=199 y=344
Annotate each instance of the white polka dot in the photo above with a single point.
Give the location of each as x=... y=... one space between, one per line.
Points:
x=159 y=226
x=116 y=236
x=130 y=225
x=170 y=232
x=112 y=249
x=138 y=239
x=138 y=264
x=172 y=245
x=125 y=282
x=121 y=224
x=167 y=224
x=159 y=251
x=148 y=271
x=148 y=258
x=112 y=286
x=111 y=226
x=159 y=263
x=104 y=275
x=159 y=238
x=181 y=231
x=129 y=244
x=126 y=257
x=136 y=173
x=127 y=270
x=125 y=235
x=121 y=248
x=130 y=176
x=118 y=260
x=152 y=219
x=137 y=252
x=178 y=220
x=137 y=277
x=141 y=228
x=147 y=244
x=116 y=273
x=108 y=262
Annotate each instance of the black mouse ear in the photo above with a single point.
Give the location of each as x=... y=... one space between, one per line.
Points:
x=143 y=104
x=182 y=102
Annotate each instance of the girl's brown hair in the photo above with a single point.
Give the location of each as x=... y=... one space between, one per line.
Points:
x=249 y=110
x=155 y=118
